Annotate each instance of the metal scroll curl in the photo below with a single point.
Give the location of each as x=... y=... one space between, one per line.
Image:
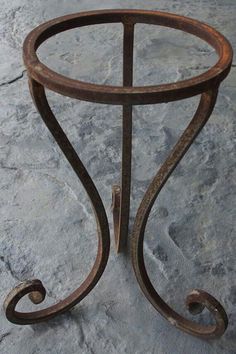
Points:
x=34 y=288
x=197 y=300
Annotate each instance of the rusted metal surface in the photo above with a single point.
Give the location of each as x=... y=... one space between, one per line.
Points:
x=206 y=84
x=35 y=286
x=199 y=297
x=121 y=195
x=127 y=95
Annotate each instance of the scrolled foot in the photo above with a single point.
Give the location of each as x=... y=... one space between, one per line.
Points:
x=197 y=300
x=36 y=293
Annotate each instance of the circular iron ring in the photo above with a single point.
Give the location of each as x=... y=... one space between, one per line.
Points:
x=127 y=95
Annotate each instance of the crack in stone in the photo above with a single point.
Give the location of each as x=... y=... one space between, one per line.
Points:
x=8 y=167
x=4 y=335
x=13 y=80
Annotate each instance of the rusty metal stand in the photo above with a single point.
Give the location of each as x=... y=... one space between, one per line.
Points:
x=206 y=85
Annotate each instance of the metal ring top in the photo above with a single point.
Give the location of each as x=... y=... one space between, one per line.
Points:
x=127 y=95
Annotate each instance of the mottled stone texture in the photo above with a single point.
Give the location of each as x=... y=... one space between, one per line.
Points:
x=47 y=225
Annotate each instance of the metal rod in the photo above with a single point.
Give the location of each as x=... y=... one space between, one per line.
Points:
x=121 y=195
x=34 y=288
x=198 y=299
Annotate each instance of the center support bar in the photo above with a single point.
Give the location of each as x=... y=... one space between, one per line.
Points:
x=121 y=195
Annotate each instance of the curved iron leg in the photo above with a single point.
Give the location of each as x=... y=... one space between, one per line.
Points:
x=197 y=300
x=35 y=288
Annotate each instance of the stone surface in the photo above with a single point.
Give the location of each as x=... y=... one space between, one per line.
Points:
x=47 y=229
